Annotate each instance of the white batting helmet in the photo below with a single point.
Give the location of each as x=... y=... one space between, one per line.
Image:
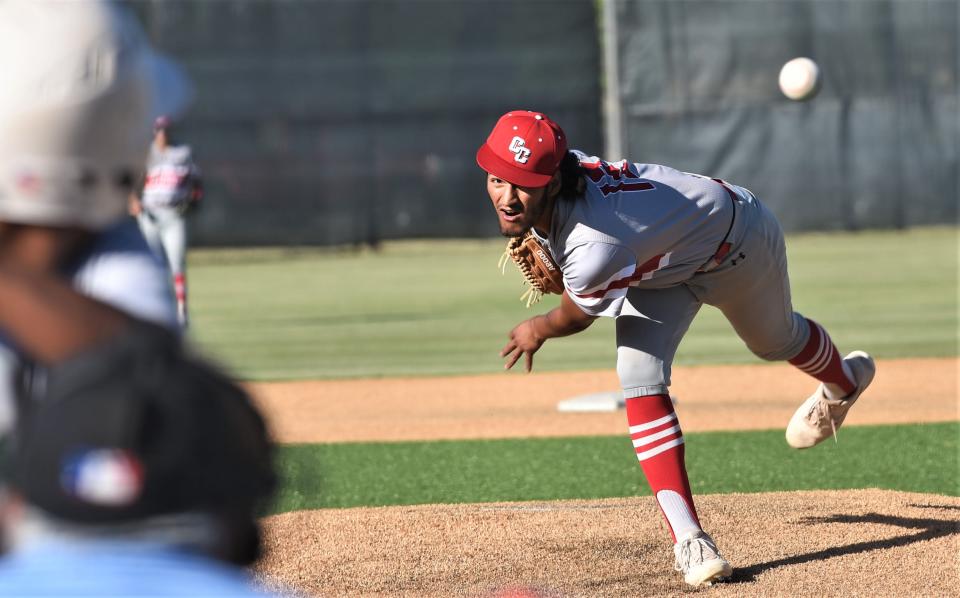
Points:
x=79 y=89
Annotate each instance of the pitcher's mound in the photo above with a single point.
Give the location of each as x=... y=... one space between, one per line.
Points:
x=833 y=543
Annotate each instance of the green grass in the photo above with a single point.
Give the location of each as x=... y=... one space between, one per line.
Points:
x=441 y=307
x=916 y=458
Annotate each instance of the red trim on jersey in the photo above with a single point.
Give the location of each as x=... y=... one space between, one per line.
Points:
x=596 y=171
x=593 y=171
x=729 y=191
x=608 y=189
x=617 y=171
x=651 y=265
x=722 y=252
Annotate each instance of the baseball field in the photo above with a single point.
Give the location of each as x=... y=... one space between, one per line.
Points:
x=414 y=466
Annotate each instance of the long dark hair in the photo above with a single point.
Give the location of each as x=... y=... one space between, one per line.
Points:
x=572 y=184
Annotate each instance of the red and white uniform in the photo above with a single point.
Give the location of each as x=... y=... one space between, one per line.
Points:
x=171 y=178
x=638 y=226
x=172 y=183
x=648 y=245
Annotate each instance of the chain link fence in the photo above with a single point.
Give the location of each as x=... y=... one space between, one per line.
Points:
x=695 y=86
x=353 y=121
x=330 y=122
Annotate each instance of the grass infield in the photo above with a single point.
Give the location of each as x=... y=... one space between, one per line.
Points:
x=441 y=307
x=915 y=458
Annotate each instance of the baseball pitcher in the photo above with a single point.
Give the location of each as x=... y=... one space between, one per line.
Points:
x=649 y=245
x=172 y=186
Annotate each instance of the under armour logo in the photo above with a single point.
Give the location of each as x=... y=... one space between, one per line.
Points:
x=520 y=153
x=738 y=258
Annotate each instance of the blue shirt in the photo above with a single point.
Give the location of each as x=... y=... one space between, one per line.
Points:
x=114 y=569
x=120 y=269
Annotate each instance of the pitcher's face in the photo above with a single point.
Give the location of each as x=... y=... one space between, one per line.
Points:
x=518 y=208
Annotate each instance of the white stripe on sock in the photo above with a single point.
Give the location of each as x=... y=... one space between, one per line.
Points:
x=824 y=361
x=678 y=513
x=828 y=353
x=819 y=354
x=654 y=437
x=833 y=355
x=666 y=446
x=653 y=424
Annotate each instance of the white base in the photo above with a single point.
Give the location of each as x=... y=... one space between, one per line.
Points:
x=600 y=402
x=593 y=403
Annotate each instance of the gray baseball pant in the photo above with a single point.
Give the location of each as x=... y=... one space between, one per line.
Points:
x=750 y=287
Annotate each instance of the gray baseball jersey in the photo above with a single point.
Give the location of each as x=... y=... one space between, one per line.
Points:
x=648 y=245
x=638 y=225
x=169 y=177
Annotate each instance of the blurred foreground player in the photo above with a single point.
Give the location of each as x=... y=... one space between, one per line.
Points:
x=134 y=470
x=172 y=186
x=649 y=245
x=131 y=469
x=78 y=89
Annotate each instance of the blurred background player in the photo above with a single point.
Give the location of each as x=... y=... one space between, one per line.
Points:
x=172 y=186
x=649 y=245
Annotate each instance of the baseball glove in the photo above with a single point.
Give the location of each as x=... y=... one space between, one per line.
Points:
x=540 y=271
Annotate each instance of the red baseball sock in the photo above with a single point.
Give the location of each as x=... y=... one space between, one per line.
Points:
x=658 y=441
x=820 y=359
x=180 y=287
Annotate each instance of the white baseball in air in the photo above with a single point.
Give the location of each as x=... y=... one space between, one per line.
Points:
x=800 y=79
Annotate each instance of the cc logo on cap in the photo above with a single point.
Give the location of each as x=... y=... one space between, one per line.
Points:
x=520 y=153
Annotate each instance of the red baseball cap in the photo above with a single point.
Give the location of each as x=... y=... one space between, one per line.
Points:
x=161 y=122
x=525 y=148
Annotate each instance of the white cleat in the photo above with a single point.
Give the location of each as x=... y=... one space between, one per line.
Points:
x=819 y=417
x=698 y=559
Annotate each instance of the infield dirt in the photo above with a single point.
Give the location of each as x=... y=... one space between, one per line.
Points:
x=836 y=543
x=744 y=397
